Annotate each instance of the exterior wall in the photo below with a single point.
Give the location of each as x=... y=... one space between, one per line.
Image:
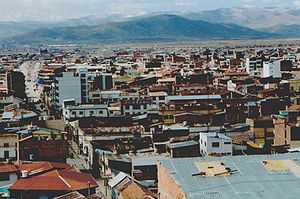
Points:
x=167 y=186
x=272 y=69
x=159 y=100
x=294 y=85
x=48 y=150
x=168 y=115
x=11 y=140
x=139 y=109
x=207 y=149
x=67 y=87
x=261 y=134
x=4 y=82
x=82 y=111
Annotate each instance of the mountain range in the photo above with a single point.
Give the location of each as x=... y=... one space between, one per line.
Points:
x=160 y=28
x=223 y=23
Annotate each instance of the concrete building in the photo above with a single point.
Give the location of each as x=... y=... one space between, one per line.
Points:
x=271 y=69
x=253 y=66
x=215 y=144
x=70 y=85
x=103 y=82
x=8 y=146
x=73 y=111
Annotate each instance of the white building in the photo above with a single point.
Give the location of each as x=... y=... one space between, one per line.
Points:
x=71 y=85
x=253 y=66
x=84 y=110
x=215 y=144
x=105 y=96
x=158 y=98
x=8 y=146
x=272 y=69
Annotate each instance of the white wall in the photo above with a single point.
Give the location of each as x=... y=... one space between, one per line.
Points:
x=272 y=69
x=69 y=87
x=12 y=152
x=206 y=149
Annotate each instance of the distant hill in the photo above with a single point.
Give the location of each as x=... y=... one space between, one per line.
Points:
x=160 y=28
x=11 y=29
x=292 y=31
x=251 y=17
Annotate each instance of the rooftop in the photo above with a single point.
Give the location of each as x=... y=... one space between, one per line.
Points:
x=249 y=177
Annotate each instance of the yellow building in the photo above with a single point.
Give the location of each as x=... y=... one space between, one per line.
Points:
x=263 y=130
x=294 y=84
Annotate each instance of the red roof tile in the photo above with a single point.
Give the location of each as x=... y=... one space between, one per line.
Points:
x=7 y=168
x=56 y=181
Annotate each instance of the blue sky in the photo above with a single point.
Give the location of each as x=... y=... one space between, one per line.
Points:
x=57 y=10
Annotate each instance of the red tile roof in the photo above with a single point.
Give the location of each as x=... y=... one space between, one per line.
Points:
x=39 y=167
x=7 y=168
x=56 y=180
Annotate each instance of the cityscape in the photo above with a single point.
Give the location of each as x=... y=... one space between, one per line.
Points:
x=149 y=99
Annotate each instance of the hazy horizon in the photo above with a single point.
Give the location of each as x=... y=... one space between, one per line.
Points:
x=61 y=10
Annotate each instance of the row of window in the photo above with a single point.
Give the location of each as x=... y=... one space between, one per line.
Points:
x=215 y=144
x=82 y=112
x=136 y=106
x=7 y=145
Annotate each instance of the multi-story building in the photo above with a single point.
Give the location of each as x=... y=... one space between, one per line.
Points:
x=73 y=110
x=271 y=69
x=253 y=66
x=70 y=85
x=103 y=82
x=262 y=128
x=215 y=144
x=8 y=146
x=287 y=128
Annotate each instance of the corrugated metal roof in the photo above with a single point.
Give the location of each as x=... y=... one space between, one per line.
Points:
x=250 y=179
x=147 y=160
x=194 y=97
x=183 y=144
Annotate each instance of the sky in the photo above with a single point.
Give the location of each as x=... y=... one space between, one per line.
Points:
x=59 y=10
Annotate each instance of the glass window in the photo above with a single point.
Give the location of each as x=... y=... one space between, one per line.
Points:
x=215 y=144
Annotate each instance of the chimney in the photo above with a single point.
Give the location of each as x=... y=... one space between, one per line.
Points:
x=24 y=174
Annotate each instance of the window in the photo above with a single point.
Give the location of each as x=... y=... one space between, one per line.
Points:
x=161 y=98
x=96 y=95
x=6 y=154
x=204 y=143
x=227 y=142
x=73 y=113
x=6 y=145
x=136 y=106
x=91 y=112
x=4 y=177
x=80 y=112
x=100 y=112
x=215 y=144
x=201 y=141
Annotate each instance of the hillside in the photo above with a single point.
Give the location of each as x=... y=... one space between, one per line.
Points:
x=161 y=28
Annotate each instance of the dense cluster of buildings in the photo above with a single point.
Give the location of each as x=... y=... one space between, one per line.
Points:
x=160 y=122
